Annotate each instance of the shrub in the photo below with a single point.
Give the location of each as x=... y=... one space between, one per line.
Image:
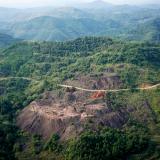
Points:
x=67 y=89
x=46 y=97
x=89 y=120
x=111 y=144
x=52 y=144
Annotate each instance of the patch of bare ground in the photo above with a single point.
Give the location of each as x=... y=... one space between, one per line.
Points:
x=146 y=85
x=67 y=113
x=109 y=80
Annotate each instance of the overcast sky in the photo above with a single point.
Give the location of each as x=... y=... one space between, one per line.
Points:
x=42 y=3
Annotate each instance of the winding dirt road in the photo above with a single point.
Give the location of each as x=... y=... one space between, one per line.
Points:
x=82 y=89
x=108 y=90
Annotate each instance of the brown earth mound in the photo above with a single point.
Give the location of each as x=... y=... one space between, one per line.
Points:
x=66 y=114
x=97 y=95
x=111 y=82
x=70 y=89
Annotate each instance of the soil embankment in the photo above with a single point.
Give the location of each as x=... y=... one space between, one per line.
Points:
x=66 y=115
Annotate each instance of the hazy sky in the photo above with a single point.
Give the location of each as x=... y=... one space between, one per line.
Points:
x=42 y=3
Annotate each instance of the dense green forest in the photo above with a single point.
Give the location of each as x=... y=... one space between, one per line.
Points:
x=30 y=68
x=130 y=23
x=138 y=140
x=124 y=26
x=148 y=31
x=57 y=61
x=52 y=29
x=6 y=40
x=49 y=63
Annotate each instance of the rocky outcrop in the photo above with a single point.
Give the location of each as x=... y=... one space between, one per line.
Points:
x=96 y=80
x=66 y=114
x=111 y=82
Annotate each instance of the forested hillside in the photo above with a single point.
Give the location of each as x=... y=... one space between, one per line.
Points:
x=47 y=64
x=100 y=19
x=149 y=31
x=6 y=40
x=59 y=60
x=58 y=29
x=73 y=95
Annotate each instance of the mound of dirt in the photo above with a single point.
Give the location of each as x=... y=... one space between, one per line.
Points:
x=66 y=114
x=69 y=97
x=111 y=82
x=108 y=80
x=97 y=95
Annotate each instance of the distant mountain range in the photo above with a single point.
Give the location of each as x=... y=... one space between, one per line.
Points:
x=96 y=18
x=59 y=29
x=6 y=40
x=95 y=4
x=149 y=31
x=66 y=12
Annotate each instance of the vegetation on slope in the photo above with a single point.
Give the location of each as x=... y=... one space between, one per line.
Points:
x=54 y=62
x=57 y=61
x=119 y=21
x=148 y=31
x=58 y=29
x=6 y=40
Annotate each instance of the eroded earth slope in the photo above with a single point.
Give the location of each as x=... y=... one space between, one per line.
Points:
x=66 y=114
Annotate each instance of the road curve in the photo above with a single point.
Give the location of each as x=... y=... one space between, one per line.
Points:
x=82 y=89
x=108 y=90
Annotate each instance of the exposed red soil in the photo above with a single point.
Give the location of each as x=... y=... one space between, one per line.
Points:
x=70 y=89
x=146 y=85
x=98 y=95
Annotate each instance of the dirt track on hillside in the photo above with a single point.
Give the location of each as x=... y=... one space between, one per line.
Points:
x=83 y=89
